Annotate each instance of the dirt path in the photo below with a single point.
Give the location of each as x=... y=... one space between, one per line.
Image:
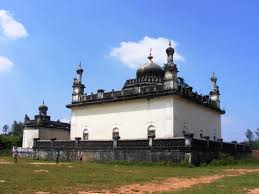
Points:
x=48 y=163
x=173 y=184
x=253 y=191
x=2 y=161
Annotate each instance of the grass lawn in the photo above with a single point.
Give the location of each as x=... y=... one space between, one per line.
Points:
x=25 y=177
x=227 y=185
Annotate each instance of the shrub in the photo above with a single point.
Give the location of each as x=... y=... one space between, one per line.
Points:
x=223 y=160
x=226 y=159
x=8 y=141
x=185 y=163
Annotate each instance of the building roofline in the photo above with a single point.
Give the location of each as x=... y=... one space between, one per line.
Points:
x=185 y=93
x=49 y=124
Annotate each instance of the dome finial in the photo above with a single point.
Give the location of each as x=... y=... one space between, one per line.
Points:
x=79 y=66
x=169 y=43
x=150 y=57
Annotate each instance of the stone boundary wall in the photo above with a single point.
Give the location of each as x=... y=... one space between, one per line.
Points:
x=151 y=149
x=23 y=152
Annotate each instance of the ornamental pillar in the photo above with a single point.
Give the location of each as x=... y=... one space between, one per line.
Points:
x=151 y=140
x=115 y=141
x=188 y=139
x=77 y=141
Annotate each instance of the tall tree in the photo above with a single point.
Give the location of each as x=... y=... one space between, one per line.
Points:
x=257 y=133
x=16 y=128
x=249 y=135
x=5 y=128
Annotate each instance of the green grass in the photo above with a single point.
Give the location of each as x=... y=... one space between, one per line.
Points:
x=73 y=177
x=227 y=185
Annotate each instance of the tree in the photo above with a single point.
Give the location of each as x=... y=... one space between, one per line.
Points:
x=257 y=133
x=16 y=128
x=249 y=135
x=5 y=128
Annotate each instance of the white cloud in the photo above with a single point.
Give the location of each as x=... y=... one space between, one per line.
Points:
x=10 y=27
x=134 y=54
x=5 y=64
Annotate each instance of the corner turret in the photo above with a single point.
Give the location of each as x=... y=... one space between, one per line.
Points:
x=214 y=93
x=78 y=87
x=170 y=69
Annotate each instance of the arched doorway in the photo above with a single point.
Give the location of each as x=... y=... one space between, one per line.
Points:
x=115 y=132
x=85 y=134
x=151 y=131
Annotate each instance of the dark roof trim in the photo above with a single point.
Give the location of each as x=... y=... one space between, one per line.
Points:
x=64 y=126
x=147 y=95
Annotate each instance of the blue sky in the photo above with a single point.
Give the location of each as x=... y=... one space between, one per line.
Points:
x=220 y=36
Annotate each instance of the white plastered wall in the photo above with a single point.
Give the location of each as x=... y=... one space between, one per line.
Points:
x=169 y=114
x=193 y=118
x=28 y=135
x=132 y=117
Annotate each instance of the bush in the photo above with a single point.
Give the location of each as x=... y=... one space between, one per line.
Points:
x=8 y=141
x=223 y=160
x=226 y=159
x=185 y=163
x=6 y=152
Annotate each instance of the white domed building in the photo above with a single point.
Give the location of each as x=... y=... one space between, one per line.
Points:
x=157 y=102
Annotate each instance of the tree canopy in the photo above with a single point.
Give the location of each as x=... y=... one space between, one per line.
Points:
x=16 y=128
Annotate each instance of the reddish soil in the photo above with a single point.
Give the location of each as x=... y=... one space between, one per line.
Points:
x=47 y=163
x=40 y=171
x=240 y=171
x=173 y=184
x=2 y=161
x=253 y=191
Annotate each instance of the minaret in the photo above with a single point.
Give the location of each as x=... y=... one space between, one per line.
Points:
x=170 y=77
x=78 y=87
x=214 y=93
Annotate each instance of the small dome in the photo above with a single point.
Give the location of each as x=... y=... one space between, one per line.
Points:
x=43 y=109
x=150 y=69
x=213 y=77
x=170 y=50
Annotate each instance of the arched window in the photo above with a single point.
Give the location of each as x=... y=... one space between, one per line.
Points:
x=85 y=134
x=115 y=132
x=151 y=131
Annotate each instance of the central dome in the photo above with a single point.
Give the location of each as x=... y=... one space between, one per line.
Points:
x=43 y=109
x=150 y=69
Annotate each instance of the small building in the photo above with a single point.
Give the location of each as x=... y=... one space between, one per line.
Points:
x=42 y=127
x=157 y=102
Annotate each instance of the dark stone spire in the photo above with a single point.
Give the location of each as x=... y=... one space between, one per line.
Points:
x=170 y=54
x=170 y=65
x=79 y=69
x=150 y=57
x=78 y=87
